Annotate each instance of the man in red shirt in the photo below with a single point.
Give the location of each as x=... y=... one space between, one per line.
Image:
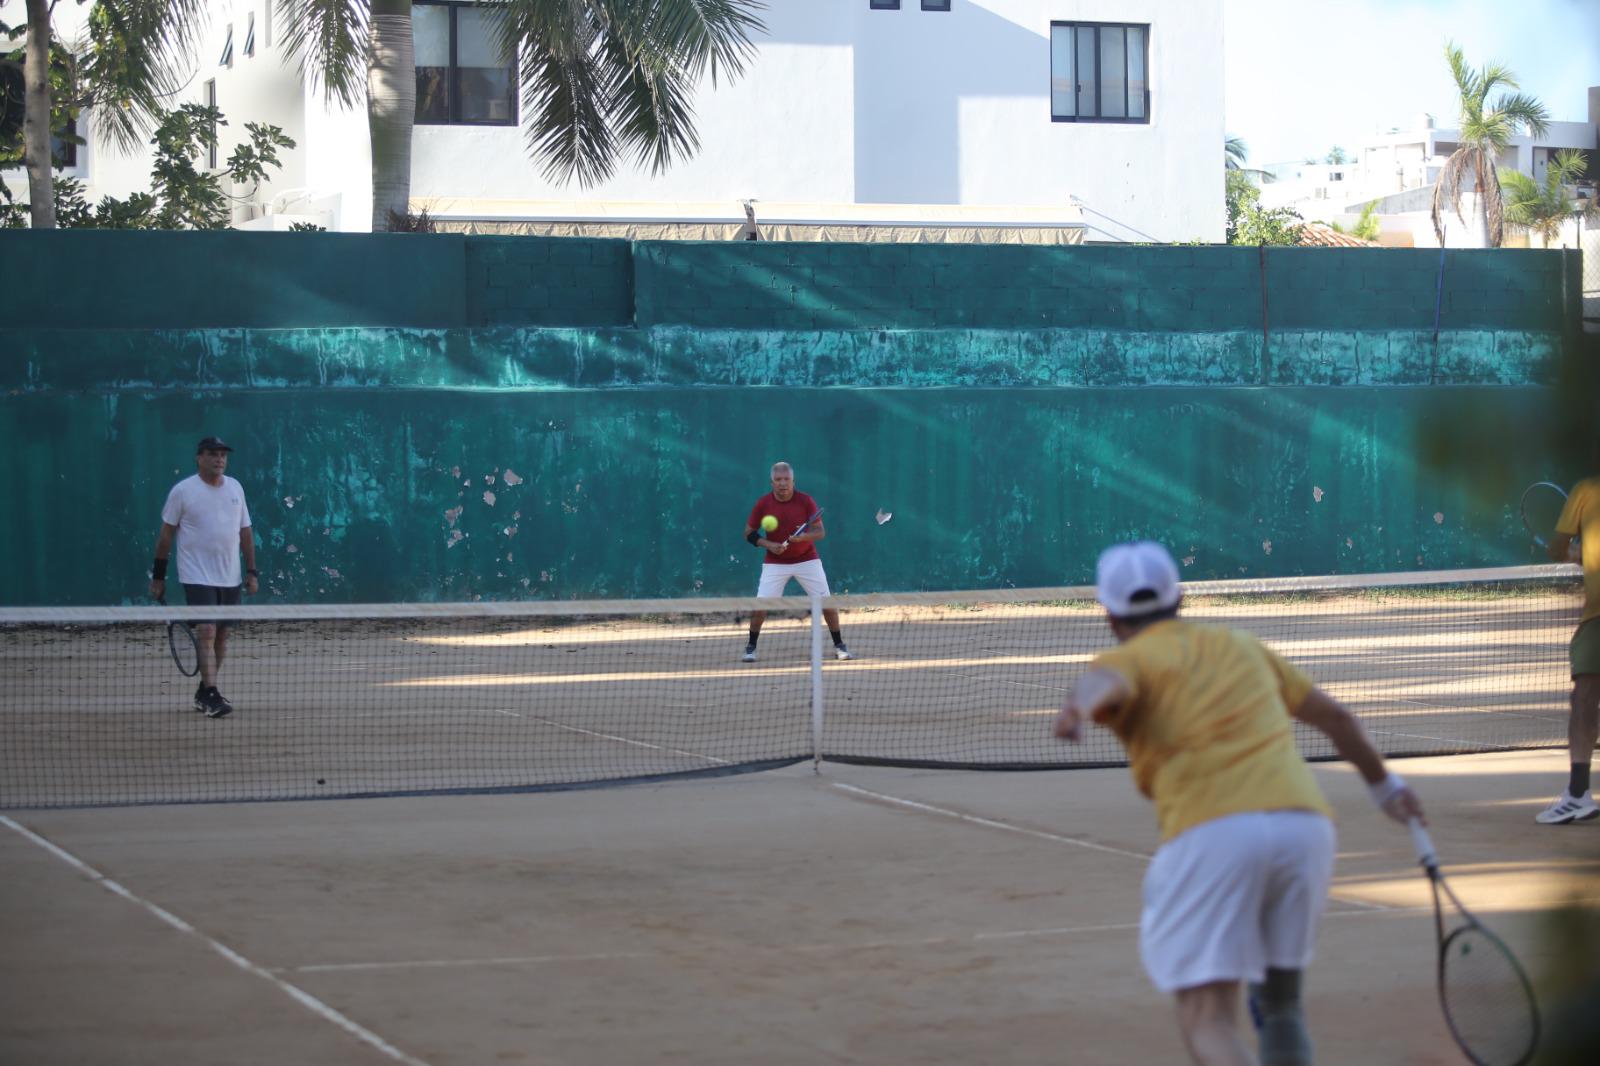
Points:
x=789 y=554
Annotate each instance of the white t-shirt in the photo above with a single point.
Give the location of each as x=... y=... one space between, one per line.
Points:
x=209 y=518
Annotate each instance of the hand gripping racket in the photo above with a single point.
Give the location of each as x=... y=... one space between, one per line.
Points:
x=1487 y=1000
x=803 y=526
x=183 y=644
x=1542 y=503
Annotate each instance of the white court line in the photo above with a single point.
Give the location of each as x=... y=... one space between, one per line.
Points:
x=300 y=996
x=611 y=736
x=433 y=964
x=1043 y=835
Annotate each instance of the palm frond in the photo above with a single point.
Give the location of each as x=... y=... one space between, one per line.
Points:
x=562 y=89
x=1522 y=111
x=649 y=103
x=134 y=60
x=705 y=33
x=1488 y=190
x=1447 y=191
x=329 y=40
x=1235 y=152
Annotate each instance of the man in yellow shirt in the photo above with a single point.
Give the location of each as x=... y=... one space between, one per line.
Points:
x=1580 y=519
x=1235 y=891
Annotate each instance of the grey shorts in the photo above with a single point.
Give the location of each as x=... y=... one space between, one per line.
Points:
x=212 y=596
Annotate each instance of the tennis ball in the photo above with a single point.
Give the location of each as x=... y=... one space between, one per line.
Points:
x=769 y=523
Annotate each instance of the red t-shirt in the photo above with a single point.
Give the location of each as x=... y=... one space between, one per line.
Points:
x=791 y=514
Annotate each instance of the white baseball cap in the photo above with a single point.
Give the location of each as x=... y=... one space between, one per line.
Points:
x=1132 y=580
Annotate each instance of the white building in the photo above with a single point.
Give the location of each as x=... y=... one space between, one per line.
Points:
x=1099 y=119
x=1400 y=168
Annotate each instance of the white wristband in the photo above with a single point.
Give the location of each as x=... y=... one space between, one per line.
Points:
x=1383 y=791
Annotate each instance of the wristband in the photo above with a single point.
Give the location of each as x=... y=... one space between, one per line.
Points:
x=752 y=537
x=253 y=572
x=1384 y=791
x=158 y=570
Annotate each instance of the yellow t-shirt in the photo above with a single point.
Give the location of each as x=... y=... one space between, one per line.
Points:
x=1207 y=729
x=1581 y=518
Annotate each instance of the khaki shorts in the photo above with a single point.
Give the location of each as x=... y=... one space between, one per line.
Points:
x=1585 y=648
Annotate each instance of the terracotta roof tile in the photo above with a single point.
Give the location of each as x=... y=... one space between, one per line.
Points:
x=1315 y=234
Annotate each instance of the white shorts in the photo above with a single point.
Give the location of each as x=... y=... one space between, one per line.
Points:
x=1227 y=899
x=775 y=578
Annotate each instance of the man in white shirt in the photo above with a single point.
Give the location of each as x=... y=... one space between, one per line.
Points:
x=207 y=514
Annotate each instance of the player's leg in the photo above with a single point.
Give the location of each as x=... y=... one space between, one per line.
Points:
x=1200 y=934
x=1208 y=1018
x=814 y=580
x=774 y=577
x=205 y=635
x=219 y=705
x=1576 y=802
x=1302 y=846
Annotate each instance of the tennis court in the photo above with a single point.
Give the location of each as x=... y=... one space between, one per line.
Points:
x=871 y=914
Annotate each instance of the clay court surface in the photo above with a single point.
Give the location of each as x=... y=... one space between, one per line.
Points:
x=868 y=915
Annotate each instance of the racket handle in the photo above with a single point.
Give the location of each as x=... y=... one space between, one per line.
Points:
x=1423 y=843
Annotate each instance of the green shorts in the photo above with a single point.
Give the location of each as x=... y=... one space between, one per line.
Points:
x=1585 y=648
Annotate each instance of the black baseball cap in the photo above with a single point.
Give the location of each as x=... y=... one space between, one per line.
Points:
x=212 y=444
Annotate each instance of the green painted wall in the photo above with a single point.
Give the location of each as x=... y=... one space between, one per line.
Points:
x=589 y=418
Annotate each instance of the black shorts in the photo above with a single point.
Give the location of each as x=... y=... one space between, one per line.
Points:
x=212 y=596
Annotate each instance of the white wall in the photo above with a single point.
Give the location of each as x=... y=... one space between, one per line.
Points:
x=848 y=105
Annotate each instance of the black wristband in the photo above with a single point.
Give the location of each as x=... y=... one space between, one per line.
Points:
x=752 y=537
x=253 y=572
x=158 y=570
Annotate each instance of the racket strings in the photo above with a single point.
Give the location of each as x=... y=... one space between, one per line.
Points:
x=1487 y=999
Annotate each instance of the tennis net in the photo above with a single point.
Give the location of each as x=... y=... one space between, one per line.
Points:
x=415 y=699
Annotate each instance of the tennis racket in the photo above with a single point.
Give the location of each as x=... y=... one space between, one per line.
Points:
x=803 y=526
x=1542 y=503
x=1487 y=1000
x=183 y=644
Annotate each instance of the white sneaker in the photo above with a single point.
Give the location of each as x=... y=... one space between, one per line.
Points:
x=749 y=655
x=842 y=653
x=1567 y=809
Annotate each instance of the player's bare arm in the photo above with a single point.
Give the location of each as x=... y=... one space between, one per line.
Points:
x=247 y=547
x=1098 y=695
x=1333 y=720
x=1560 y=548
x=755 y=537
x=158 y=585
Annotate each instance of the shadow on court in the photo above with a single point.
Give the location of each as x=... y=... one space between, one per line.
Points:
x=867 y=916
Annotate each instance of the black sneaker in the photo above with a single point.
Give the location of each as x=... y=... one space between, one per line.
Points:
x=217 y=705
x=200 y=697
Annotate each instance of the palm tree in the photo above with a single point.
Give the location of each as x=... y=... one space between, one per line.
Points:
x=599 y=79
x=1234 y=153
x=1546 y=208
x=1485 y=132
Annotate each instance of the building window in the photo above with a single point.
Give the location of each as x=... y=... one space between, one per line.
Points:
x=463 y=78
x=936 y=5
x=885 y=5
x=250 y=34
x=64 y=150
x=227 y=49
x=1099 y=72
x=211 y=148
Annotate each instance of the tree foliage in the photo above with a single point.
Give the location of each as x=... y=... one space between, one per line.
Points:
x=1250 y=223
x=182 y=195
x=1543 y=208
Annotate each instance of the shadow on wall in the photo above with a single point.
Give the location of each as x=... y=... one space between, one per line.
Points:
x=897 y=105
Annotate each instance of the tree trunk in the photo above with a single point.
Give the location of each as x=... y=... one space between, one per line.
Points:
x=391 y=108
x=36 y=117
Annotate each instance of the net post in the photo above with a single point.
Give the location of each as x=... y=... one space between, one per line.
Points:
x=816 y=685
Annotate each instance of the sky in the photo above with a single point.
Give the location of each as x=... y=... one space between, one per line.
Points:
x=1305 y=75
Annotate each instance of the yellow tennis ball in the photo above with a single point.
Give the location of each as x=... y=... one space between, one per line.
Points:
x=769 y=523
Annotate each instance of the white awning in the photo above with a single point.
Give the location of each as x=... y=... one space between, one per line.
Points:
x=725 y=221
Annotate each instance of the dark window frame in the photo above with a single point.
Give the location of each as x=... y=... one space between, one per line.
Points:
x=64 y=153
x=210 y=91
x=936 y=5
x=454 y=119
x=250 y=34
x=883 y=5
x=1127 y=96
x=227 y=49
